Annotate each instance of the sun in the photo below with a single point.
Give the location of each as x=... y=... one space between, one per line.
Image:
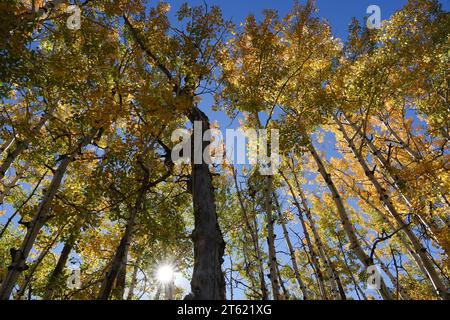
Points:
x=165 y=274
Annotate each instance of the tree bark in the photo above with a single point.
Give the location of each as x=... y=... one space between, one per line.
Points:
x=19 y=257
x=255 y=239
x=36 y=264
x=271 y=238
x=59 y=268
x=121 y=252
x=336 y=284
x=208 y=281
x=294 y=259
x=421 y=251
x=349 y=229
x=133 y=279
x=399 y=184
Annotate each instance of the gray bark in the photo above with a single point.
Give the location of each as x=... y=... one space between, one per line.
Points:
x=349 y=229
x=421 y=251
x=208 y=280
x=19 y=257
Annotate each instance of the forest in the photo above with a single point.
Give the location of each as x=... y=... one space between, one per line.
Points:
x=95 y=207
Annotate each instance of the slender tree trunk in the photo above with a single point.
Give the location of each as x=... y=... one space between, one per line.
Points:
x=59 y=268
x=119 y=289
x=332 y=273
x=120 y=255
x=254 y=235
x=208 y=281
x=262 y=279
x=11 y=217
x=358 y=289
x=392 y=228
x=271 y=238
x=292 y=256
x=421 y=251
x=349 y=229
x=133 y=279
x=286 y=294
x=36 y=264
x=386 y=270
x=399 y=184
x=7 y=144
x=19 y=257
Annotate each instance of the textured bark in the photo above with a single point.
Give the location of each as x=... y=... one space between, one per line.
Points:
x=311 y=249
x=271 y=238
x=119 y=289
x=255 y=240
x=134 y=278
x=336 y=284
x=421 y=251
x=31 y=194
x=208 y=281
x=59 y=268
x=19 y=257
x=293 y=257
x=285 y=295
x=36 y=264
x=399 y=184
x=117 y=262
x=349 y=229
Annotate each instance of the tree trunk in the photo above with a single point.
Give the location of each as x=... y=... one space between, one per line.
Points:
x=392 y=228
x=133 y=279
x=18 y=263
x=399 y=184
x=117 y=263
x=285 y=295
x=36 y=264
x=271 y=238
x=350 y=272
x=255 y=239
x=421 y=251
x=386 y=270
x=19 y=257
x=293 y=257
x=119 y=289
x=59 y=268
x=332 y=273
x=349 y=229
x=208 y=281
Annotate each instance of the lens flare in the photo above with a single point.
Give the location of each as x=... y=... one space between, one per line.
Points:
x=165 y=274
